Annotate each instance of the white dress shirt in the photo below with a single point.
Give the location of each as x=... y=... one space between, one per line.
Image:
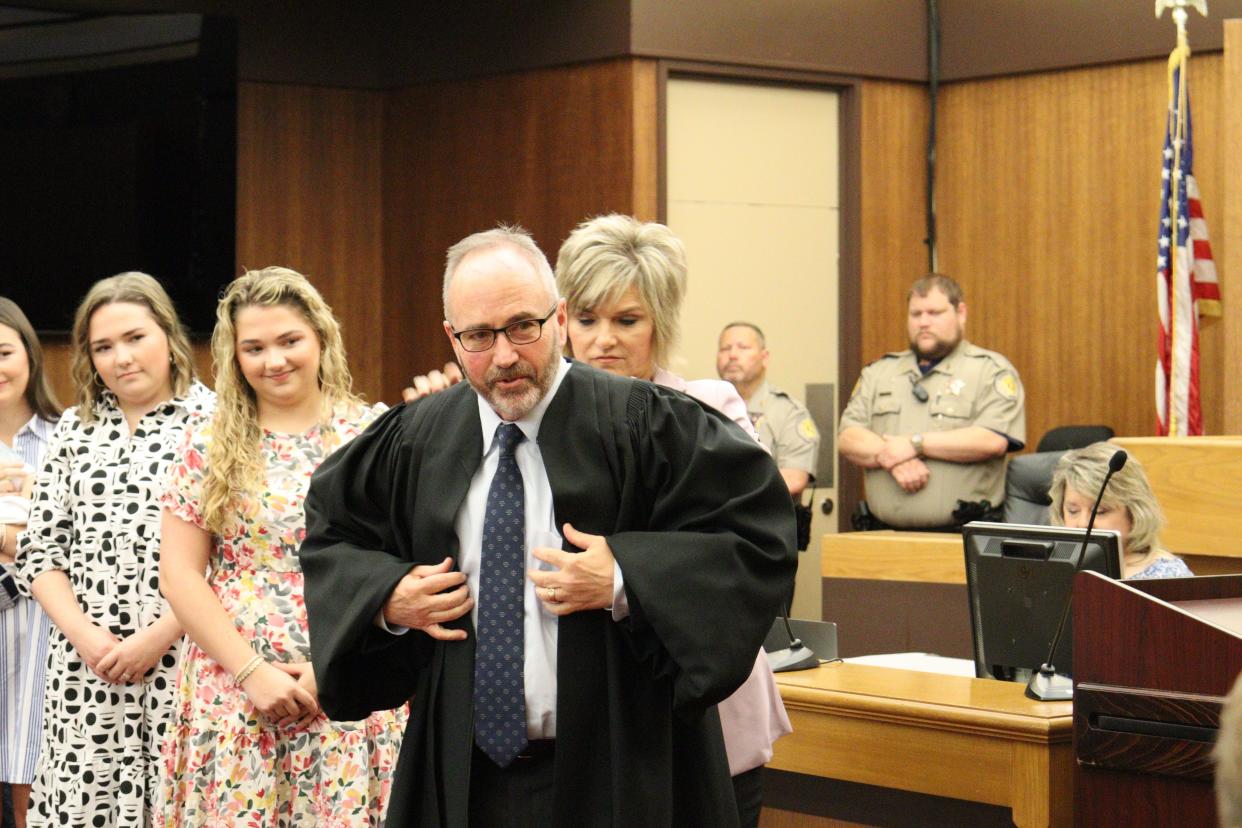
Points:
x=540 y=627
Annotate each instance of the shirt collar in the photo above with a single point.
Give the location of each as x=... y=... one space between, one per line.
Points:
x=489 y=419
x=37 y=427
x=945 y=364
x=668 y=379
x=199 y=397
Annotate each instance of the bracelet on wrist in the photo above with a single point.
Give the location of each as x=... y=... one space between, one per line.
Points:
x=251 y=666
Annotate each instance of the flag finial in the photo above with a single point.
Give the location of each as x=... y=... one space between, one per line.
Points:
x=1179 y=13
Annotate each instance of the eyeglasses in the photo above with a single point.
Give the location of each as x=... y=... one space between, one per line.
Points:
x=521 y=332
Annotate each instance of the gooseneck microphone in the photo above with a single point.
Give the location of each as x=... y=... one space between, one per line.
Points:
x=797 y=656
x=1047 y=684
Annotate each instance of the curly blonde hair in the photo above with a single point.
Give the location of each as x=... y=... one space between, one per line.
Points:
x=234 y=459
x=138 y=289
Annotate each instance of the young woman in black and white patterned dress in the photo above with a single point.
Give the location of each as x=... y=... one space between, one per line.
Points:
x=90 y=556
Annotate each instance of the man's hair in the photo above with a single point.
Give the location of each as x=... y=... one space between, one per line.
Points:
x=514 y=236
x=607 y=255
x=937 y=281
x=763 y=340
x=1084 y=470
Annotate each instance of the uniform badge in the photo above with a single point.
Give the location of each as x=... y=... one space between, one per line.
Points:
x=807 y=429
x=1007 y=385
x=955 y=387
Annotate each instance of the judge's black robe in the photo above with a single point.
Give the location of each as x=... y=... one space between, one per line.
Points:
x=701 y=525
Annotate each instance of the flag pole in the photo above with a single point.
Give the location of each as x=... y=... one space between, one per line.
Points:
x=1177 y=100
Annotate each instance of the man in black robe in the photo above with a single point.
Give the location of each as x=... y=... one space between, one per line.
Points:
x=678 y=549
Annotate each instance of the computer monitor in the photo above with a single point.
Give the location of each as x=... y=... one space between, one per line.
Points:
x=1019 y=579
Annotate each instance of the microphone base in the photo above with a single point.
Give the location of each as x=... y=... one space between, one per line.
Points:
x=1049 y=685
x=792 y=658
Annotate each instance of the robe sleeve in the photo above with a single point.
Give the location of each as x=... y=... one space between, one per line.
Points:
x=708 y=577
x=354 y=553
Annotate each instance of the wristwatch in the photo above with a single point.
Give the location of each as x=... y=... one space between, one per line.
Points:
x=916 y=440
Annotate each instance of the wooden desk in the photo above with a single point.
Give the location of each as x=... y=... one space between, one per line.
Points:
x=927 y=557
x=895 y=592
x=965 y=738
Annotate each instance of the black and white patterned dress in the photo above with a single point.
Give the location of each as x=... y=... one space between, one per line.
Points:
x=96 y=517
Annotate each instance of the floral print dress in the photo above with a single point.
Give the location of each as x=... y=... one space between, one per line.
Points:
x=224 y=763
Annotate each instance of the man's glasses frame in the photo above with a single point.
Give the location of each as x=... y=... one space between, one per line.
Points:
x=521 y=332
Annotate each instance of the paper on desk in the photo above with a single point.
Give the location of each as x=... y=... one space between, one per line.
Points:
x=922 y=662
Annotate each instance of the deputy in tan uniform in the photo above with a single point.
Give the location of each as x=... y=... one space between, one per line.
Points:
x=783 y=424
x=932 y=425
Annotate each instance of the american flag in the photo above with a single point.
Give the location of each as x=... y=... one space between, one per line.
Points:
x=1186 y=284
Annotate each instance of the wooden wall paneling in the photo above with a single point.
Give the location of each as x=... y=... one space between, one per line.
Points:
x=545 y=148
x=1048 y=206
x=646 y=124
x=309 y=198
x=1229 y=259
x=892 y=139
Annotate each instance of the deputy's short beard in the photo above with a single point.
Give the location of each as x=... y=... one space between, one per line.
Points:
x=940 y=350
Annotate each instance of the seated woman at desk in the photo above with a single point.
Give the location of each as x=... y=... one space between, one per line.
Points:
x=1129 y=506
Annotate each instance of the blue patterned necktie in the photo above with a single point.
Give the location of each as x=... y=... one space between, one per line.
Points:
x=499 y=692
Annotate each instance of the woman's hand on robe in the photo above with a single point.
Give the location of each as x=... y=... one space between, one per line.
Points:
x=429 y=596
x=581 y=581
x=432 y=382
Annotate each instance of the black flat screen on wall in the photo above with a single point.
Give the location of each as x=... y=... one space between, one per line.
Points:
x=118 y=139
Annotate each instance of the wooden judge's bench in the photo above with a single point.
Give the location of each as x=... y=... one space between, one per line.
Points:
x=919 y=579
x=1157 y=651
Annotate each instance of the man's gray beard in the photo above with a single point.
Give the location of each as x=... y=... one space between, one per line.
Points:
x=516 y=406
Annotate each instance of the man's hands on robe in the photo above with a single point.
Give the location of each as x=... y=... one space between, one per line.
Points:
x=581 y=581
x=429 y=596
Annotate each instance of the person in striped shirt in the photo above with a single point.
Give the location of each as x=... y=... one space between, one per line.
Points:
x=28 y=411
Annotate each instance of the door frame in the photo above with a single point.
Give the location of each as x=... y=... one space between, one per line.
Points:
x=849 y=277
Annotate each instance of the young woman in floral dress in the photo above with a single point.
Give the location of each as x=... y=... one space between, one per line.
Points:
x=249 y=744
